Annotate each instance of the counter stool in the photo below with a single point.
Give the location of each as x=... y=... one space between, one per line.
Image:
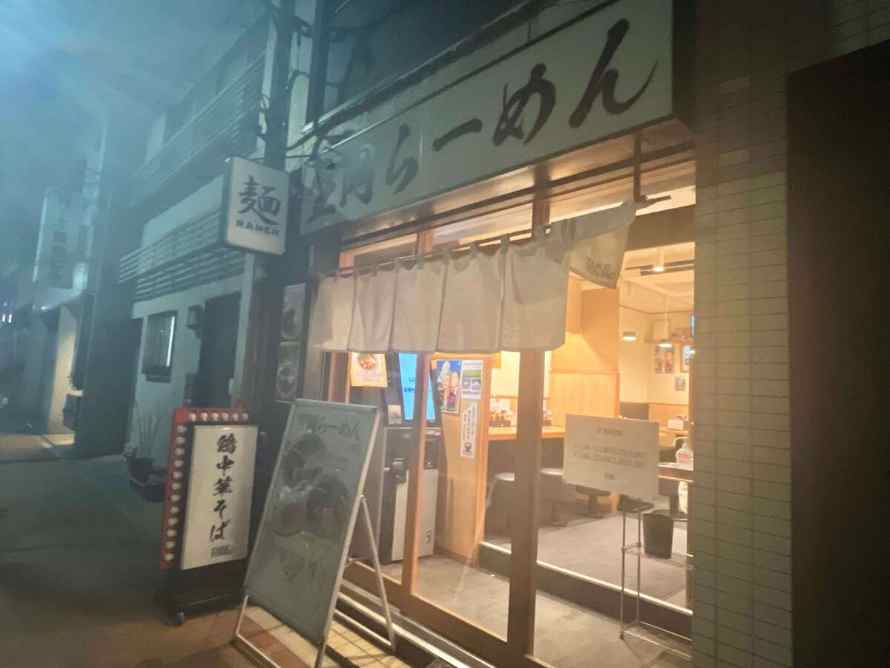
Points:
x=555 y=495
x=497 y=516
x=593 y=499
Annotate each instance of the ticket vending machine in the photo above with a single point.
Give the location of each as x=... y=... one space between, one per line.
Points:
x=386 y=483
x=394 y=506
x=398 y=443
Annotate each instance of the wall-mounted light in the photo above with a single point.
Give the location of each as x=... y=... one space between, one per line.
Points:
x=665 y=344
x=629 y=336
x=194 y=317
x=658 y=267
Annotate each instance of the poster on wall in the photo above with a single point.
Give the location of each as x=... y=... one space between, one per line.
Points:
x=448 y=385
x=679 y=383
x=301 y=547
x=686 y=357
x=664 y=360
x=469 y=419
x=220 y=489
x=471 y=380
x=289 y=372
x=614 y=454
x=293 y=312
x=367 y=370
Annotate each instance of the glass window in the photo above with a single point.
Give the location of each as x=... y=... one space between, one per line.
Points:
x=157 y=356
x=383 y=251
x=627 y=355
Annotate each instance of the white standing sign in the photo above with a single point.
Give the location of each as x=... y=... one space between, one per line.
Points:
x=311 y=509
x=254 y=209
x=220 y=489
x=614 y=454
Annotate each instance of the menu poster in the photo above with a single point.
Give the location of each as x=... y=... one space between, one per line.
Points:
x=448 y=385
x=664 y=360
x=469 y=420
x=686 y=359
x=367 y=370
x=471 y=380
x=297 y=562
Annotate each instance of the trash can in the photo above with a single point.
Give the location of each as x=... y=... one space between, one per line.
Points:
x=658 y=533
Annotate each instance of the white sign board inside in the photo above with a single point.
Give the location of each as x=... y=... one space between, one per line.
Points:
x=605 y=72
x=254 y=209
x=310 y=513
x=613 y=454
x=220 y=489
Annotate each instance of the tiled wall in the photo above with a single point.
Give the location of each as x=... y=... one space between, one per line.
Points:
x=742 y=503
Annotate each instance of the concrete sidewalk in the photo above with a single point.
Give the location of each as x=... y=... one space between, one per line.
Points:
x=78 y=572
x=20 y=448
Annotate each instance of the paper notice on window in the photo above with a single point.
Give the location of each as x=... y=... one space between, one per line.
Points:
x=612 y=454
x=469 y=420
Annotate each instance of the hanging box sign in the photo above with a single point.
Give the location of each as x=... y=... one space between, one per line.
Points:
x=255 y=206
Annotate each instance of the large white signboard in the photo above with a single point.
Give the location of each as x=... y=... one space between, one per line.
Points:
x=602 y=74
x=220 y=489
x=254 y=209
x=310 y=512
x=612 y=454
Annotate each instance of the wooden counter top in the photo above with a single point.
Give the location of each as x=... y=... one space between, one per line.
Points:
x=509 y=433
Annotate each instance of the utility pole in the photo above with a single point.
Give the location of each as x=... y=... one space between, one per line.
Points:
x=250 y=351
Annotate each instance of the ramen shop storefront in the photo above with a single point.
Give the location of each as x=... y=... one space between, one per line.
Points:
x=494 y=255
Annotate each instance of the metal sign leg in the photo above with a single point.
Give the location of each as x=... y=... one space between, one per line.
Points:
x=639 y=563
x=623 y=561
x=241 y=615
x=319 y=658
x=390 y=632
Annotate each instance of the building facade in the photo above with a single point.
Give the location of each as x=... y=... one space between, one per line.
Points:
x=713 y=136
x=52 y=296
x=170 y=281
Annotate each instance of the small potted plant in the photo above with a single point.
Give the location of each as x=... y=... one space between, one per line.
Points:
x=146 y=478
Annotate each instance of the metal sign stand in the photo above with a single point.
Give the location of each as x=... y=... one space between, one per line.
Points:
x=319 y=658
x=637 y=507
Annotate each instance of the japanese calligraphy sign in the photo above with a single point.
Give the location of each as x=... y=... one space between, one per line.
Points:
x=310 y=513
x=604 y=73
x=614 y=454
x=469 y=421
x=217 y=514
x=255 y=203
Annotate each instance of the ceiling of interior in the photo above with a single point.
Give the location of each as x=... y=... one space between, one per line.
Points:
x=657 y=292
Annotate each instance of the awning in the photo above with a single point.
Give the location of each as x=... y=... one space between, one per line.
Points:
x=492 y=295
